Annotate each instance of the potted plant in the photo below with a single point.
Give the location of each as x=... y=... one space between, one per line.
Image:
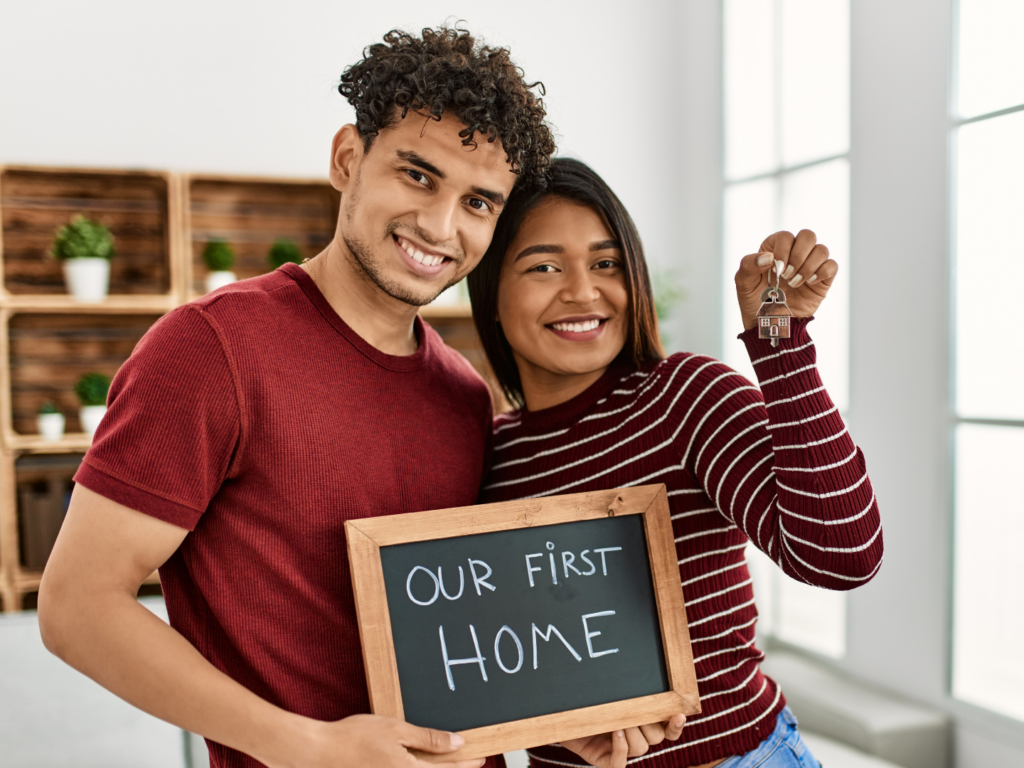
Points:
x=85 y=247
x=284 y=252
x=92 y=391
x=219 y=259
x=51 y=422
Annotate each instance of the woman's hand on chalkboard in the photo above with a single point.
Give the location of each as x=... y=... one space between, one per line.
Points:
x=610 y=750
x=383 y=742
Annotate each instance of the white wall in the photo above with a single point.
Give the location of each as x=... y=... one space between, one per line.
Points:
x=248 y=86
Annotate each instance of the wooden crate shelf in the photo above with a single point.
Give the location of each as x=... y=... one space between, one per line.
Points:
x=250 y=214
x=48 y=353
x=139 y=208
x=161 y=223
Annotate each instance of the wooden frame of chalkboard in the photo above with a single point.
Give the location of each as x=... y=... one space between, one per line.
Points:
x=366 y=537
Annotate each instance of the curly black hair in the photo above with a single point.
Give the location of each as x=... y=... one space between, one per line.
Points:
x=447 y=70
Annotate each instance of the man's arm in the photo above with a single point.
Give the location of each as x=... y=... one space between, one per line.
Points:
x=89 y=616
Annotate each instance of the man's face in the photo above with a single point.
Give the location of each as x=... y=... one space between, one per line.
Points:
x=419 y=208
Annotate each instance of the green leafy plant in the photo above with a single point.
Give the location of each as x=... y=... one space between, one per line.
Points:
x=219 y=256
x=667 y=292
x=47 y=408
x=92 y=389
x=83 y=238
x=284 y=252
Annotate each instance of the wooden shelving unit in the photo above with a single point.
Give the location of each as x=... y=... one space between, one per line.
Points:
x=161 y=223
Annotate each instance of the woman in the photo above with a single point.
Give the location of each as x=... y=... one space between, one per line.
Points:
x=563 y=305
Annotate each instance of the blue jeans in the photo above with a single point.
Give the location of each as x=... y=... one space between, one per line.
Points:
x=783 y=749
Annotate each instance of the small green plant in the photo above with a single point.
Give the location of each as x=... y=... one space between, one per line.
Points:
x=284 y=252
x=92 y=389
x=219 y=256
x=47 y=408
x=83 y=238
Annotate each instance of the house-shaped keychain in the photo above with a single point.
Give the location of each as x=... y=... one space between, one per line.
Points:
x=773 y=321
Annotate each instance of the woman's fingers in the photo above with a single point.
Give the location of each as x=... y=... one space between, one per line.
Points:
x=750 y=276
x=637 y=743
x=654 y=733
x=814 y=260
x=780 y=243
x=803 y=244
x=824 y=275
x=620 y=750
x=674 y=727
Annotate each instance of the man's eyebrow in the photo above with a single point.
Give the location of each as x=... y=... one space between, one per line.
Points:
x=604 y=245
x=530 y=250
x=419 y=162
x=495 y=197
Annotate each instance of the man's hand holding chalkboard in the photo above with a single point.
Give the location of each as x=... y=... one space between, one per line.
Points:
x=610 y=750
x=371 y=740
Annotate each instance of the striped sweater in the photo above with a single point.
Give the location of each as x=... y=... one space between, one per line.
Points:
x=774 y=466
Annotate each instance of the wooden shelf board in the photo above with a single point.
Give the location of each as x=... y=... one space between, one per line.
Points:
x=110 y=305
x=77 y=442
x=454 y=311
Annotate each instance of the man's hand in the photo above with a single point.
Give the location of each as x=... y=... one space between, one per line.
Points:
x=610 y=750
x=370 y=740
x=807 y=274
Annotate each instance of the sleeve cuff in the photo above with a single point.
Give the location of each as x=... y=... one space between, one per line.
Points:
x=141 y=500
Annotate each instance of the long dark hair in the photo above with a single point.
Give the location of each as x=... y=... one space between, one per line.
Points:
x=575 y=181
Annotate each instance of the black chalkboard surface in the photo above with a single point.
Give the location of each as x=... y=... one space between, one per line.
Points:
x=574 y=605
x=525 y=622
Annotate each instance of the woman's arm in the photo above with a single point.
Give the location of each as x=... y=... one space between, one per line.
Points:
x=786 y=470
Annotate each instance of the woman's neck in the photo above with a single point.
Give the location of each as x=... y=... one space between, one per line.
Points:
x=546 y=389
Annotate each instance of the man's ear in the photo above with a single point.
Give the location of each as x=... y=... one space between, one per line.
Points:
x=346 y=154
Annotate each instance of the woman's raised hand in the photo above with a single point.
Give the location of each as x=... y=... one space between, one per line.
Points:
x=807 y=274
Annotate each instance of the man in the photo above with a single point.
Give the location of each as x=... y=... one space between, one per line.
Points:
x=249 y=425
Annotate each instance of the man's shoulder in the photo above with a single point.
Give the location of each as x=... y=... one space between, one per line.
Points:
x=452 y=365
x=267 y=291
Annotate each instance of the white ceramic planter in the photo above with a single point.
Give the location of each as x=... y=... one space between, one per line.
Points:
x=87 y=279
x=51 y=426
x=91 y=416
x=219 y=279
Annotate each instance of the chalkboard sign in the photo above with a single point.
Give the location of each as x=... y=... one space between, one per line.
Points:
x=527 y=622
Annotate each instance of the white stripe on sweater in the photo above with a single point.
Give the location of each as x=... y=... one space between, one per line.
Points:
x=731 y=649
x=753 y=469
x=787 y=375
x=719 y=593
x=711 y=438
x=724 y=712
x=810 y=444
x=839 y=576
x=808 y=420
x=840 y=521
x=721 y=481
x=698 y=534
x=860 y=548
x=719 y=615
x=709 y=574
x=793 y=399
x=729 y=631
x=783 y=352
x=709 y=554
x=823 y=467
x=828 y=495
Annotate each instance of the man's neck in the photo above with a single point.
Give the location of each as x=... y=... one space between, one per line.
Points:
x=384 y=322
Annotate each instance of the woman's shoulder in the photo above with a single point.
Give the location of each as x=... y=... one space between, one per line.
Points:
x=684 y=369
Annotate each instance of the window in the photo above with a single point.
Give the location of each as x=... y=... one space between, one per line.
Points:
x=787 y=141
x=988 y=408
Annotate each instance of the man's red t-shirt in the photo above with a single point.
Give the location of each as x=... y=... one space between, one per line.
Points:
x=258 y=420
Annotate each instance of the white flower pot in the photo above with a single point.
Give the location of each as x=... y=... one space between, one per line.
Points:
x=219 y=279
x=51 y=426
x=87 y=279
x=91 y=416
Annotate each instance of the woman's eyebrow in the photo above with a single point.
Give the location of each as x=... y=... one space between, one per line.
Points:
x=530 y=250
x=604 y=245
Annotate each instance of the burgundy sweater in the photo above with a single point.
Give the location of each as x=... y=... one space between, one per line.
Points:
x=781 y=472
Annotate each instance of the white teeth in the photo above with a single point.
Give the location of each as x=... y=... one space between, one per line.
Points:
x=586 y=325
x=418 y=255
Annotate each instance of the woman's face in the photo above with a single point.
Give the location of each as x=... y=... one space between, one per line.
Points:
x=562 y=299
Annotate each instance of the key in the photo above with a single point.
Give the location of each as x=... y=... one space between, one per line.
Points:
x=773 y=318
